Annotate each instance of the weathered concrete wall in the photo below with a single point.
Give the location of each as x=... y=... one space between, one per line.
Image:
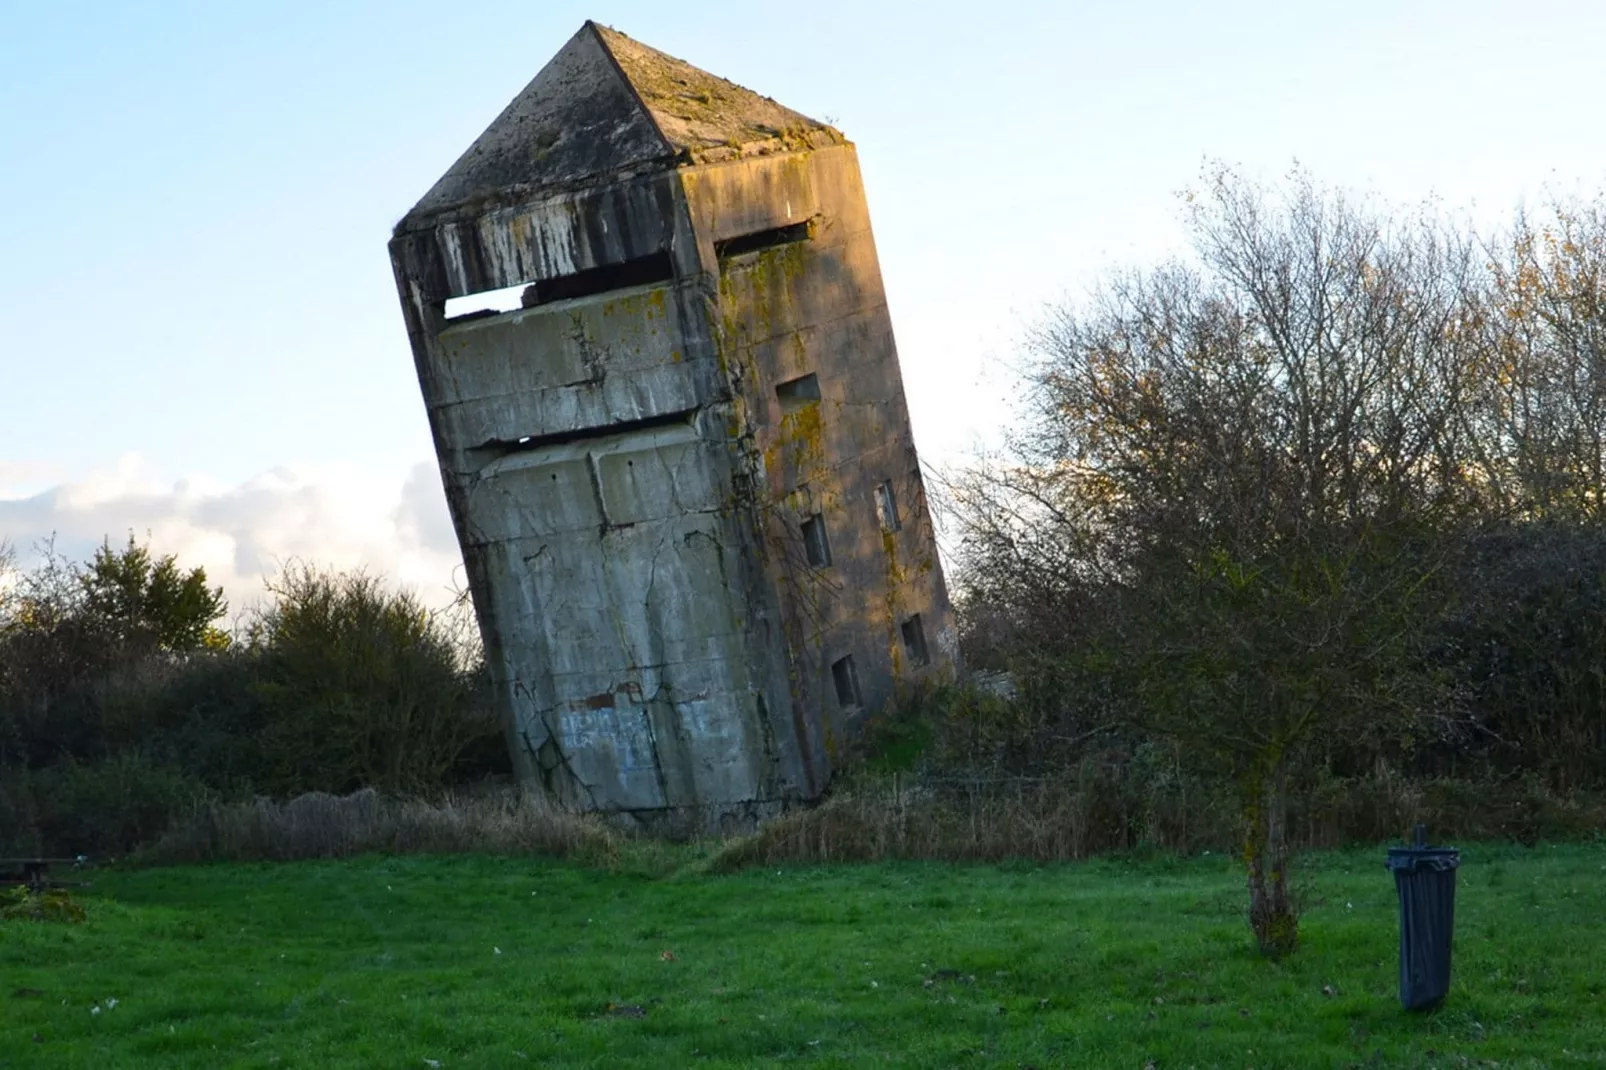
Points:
x=598 y=560
x=629 y=488
x=818 y=307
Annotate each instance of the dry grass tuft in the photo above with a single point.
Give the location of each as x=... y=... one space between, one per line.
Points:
x=319 y=825
x=1052 y=820
x=1088 y=812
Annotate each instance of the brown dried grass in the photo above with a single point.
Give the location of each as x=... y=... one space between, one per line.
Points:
x=1052 y=820
x=1087 y=813
x=320 y=825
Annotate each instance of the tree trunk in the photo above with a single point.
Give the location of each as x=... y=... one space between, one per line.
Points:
x=1271 y=912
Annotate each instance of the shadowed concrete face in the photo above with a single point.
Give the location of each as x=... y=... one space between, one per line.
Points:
x=681 y=473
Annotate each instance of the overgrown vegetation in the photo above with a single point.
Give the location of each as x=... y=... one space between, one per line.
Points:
x=1323 y=502
x=123 y=706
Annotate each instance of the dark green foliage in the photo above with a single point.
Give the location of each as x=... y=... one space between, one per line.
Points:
x=204 y=713
x=71 y=637
x=108 y=807
x=1527 y=646
x=19 y=814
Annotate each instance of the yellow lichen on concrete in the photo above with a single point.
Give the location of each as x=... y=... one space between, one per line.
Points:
x=896 y=576
x=707 y=118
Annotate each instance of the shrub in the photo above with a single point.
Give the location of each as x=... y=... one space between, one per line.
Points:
x=361 y=687
x=203 y=713
x=108 y=807
x=21 y=904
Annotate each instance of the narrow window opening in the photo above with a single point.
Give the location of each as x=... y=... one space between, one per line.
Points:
x=762 y=239
x=794 y=394
x=846 y=681
x=502 y=447
x=886 y=507
x=641 y=271
x=914 y=640
x=816 y=547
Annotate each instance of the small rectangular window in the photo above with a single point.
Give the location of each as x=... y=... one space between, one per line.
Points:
x=914 y=640
x=847 y=682
x=886 y=507
x=816 y=547
x=796 y=393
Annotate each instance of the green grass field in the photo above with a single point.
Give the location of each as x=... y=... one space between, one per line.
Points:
x=489 y=962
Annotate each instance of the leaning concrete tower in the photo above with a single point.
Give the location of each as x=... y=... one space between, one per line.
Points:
x=653 y=343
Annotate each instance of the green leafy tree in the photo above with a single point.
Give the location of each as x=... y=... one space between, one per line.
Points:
x=141 y=596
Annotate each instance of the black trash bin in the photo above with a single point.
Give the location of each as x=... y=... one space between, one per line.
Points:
x=1425 y=879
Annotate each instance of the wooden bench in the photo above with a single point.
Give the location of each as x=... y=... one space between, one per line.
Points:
x=34 y=873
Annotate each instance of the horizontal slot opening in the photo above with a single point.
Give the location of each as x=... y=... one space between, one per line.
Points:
x=501 y=447
x=642 y=271
x=796 y=393
x=762 y=239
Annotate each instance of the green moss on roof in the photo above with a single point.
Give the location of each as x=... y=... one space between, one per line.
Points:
x=705 y=117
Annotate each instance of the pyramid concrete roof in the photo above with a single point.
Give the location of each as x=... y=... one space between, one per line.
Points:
x=604 y=105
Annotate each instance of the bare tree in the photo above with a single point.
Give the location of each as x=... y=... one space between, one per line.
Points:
x=1543 y=411
x=1227 y=483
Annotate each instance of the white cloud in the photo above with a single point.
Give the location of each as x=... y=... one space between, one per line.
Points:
x=338 y=517
x=24 y=477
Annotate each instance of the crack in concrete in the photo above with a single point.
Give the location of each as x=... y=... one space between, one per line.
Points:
x=563 y=761
x=592 y=356
x=659 y=775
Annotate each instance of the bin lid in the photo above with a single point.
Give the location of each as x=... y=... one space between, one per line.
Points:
x=1412 y=859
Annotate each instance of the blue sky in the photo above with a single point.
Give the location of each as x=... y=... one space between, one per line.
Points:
x=202 y=337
